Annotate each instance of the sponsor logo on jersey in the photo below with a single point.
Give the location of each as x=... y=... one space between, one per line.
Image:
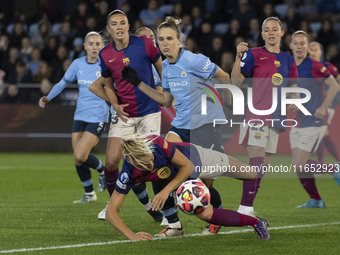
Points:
x=164 y=172
x=207 y=64
x=244 y=56
x=323 y=69
x=126 y=61
x=277 y=79
x=124 y=178
x=263 y=58
x=165 y=145
x=111 y=60
x=177 y=83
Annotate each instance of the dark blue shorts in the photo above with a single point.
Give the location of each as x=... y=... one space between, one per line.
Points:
x=206 y=136
x=95 y=128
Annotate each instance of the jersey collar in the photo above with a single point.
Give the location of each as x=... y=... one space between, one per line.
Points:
x=178 y=57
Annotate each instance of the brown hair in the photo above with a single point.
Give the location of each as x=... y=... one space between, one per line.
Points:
x=172 y=23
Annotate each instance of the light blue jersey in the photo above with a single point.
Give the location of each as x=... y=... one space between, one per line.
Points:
x=156 y=78
x=187 y=79
x=90 y=108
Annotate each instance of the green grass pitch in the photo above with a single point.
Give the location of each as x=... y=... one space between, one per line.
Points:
x=36 y=212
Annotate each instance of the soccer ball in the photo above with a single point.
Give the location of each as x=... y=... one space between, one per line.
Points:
x=193 y=197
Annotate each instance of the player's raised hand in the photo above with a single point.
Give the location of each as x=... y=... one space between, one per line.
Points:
x=121 y=113
x=130 y=75
x=43 y=101
x=241 y=49
x=159 y=200
x=141 y=236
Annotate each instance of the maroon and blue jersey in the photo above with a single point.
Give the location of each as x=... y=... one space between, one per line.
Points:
x=164 y=171
x=312 y=75
x=334 y=71
x=140 y=54
x=268 y=70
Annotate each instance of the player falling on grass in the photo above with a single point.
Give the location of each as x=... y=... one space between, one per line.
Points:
x=169 y=164
x=134 y=110
x=192 y=72
x=90 y=117
x=269 y=68
x=316 y=53
x=305 y=138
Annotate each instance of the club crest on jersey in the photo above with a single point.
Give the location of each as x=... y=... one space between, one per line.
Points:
x=164 y=172
x=277 y=79
x=98 y=74
x=183 y=73
x=257 y=135
x=277 y=63
x=126 y=61
x=323 y=69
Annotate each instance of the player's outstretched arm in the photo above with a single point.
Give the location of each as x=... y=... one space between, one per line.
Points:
x=185 y=169
x=131 y=76
x=116 y=202
x=97 y=88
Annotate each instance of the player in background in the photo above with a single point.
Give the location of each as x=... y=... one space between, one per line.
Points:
x=192 y=72
x=305 y=138
x=146 y=157
x=269 y=68
x=134 y=111
x=90 y=117
x=316 y=53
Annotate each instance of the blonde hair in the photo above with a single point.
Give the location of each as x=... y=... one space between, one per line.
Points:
x=301 y=32
x=135 y=149
x=171 y=22
x=92 y=33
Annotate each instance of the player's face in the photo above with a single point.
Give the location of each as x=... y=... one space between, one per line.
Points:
x=299 y=46
x=118 y=27
x=272 y=33
x=168 y=42
x=148 y=34
x=93 y=45
x=315 y=51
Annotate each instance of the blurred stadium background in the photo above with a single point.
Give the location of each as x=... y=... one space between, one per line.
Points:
x=40 y=38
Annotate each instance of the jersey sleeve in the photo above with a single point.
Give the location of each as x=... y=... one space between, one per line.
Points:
x=151 y=50
x=293 y=74
x=156 y=78
x=203 y=67
x=165 y=83
x=320 y=72
x=247 y=63
x=333 y=70
x=167 y=148
x=69 y=77
x=105 y=71
x=124 y=182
